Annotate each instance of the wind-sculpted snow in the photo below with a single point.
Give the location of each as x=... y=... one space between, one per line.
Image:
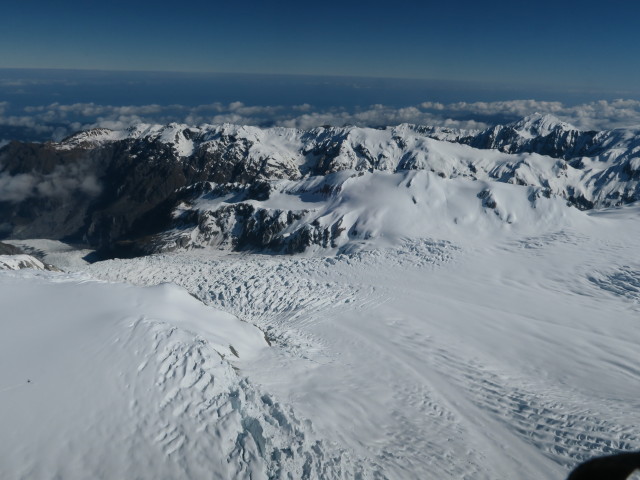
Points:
x=110 y=381
x=499 y=358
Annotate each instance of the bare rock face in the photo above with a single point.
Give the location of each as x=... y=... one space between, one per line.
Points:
x=236 y=227
x=6 y=249
x=201 y=219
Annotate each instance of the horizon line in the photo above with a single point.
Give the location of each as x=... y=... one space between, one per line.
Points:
x=495 y=84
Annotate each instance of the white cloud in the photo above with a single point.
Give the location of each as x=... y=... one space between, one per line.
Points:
x=598 y=115
x=58 y=120
x=63 y=181
x=15 y=188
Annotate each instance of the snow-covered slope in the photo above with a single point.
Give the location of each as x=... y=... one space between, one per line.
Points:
x=547 y=135
x=349 y=210
x=500 y=356
x=455 y=315
x=54 y=253
x=17 y=262
x=112 y=381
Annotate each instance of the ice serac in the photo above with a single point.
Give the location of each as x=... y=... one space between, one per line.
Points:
x=243 y=187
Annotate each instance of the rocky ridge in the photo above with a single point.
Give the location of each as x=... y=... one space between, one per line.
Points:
x=129 y=191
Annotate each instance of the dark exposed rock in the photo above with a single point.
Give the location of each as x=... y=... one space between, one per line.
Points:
x=611 y=467
x=6 y=249
x=487 y=199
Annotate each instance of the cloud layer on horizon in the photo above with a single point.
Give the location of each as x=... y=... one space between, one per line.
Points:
x=55 y=121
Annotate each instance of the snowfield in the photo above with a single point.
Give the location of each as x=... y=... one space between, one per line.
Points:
x=513 y=358
x=507 y=358
x=453 y=328
x=114 y=381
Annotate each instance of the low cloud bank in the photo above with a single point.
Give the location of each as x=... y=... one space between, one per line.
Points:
x=55 y=121
x=61 y=182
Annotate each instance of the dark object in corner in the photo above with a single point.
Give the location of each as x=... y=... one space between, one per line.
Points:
x=612 y=467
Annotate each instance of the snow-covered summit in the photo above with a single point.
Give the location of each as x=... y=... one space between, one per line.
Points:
x=540 y=125
x=91 y=137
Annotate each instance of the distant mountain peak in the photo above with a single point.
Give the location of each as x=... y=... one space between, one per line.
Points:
x=541 y=124
x=92 y=134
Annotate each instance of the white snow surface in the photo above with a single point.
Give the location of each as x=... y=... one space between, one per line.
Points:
x=511 y=357
x=484 y=331
x=54 y=252
x=93 y=376
x=540 y=125
x=376 y=209
x=114 y=381
x=18 y=262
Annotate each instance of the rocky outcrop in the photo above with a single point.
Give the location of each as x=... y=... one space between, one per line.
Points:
x=7 y=249
x=21 y=261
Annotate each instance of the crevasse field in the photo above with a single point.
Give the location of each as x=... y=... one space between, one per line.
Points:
x=457 y=341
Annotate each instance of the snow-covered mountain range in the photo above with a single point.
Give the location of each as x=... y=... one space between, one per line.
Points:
x=462 y=304
x=153 y=188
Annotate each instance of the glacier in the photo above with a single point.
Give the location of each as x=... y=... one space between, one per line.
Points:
x=409 y=302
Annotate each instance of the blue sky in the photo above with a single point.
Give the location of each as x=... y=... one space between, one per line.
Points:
x=554 y=43
x=70 y=65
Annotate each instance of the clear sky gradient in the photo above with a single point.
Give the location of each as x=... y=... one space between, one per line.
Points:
x=561 y=43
